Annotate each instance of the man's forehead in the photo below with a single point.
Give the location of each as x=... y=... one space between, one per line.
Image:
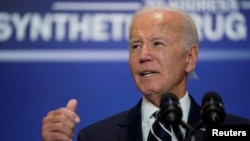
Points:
x=157 y=19
x=167 y=14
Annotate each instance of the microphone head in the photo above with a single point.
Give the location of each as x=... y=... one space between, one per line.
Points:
x=170 y=110
x=210 y=95
x=212 y=110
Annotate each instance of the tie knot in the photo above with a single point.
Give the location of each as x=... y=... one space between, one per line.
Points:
x=159 y=118
x=156 y=114
x=159 y=131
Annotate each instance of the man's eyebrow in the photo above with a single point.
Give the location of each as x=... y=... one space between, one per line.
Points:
x=157 y=38
x=136 y=40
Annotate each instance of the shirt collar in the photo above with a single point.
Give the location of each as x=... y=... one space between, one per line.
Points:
x=185 y=106
x=147 y=109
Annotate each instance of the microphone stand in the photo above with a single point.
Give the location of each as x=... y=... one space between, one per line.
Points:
x=192 y=129
x=189 y=127
x=177 y=132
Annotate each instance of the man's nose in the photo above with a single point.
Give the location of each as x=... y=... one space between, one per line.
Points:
x=145 y=54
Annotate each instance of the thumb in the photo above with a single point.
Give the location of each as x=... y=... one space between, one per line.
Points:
x=72 y=104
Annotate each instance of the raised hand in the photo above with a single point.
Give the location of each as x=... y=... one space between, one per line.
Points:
x=59 y=124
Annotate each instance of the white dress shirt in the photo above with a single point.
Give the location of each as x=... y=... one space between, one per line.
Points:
x=147 y=109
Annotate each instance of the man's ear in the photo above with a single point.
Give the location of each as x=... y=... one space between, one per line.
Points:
x=192 y=58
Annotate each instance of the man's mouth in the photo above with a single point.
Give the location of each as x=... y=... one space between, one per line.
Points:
x=148 y=73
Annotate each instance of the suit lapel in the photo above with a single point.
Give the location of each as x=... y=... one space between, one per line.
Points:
x=194 y=114
x=193 y=118
x=131 y=129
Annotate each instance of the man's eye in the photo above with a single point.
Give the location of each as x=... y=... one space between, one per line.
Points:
x=157 y=43
x=134 y=46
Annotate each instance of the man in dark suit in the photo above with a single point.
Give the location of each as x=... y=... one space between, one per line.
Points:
x=162 y=56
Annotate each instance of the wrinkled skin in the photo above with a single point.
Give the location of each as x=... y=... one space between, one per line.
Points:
x=158 y=61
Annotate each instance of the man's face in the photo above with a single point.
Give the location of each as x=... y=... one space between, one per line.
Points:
x=156 y=56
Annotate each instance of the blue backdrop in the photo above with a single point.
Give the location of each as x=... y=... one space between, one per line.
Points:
x=52 y=51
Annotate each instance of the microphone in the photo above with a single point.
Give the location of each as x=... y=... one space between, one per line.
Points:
x=170 y=110
x=212 y=110
x=170 y=113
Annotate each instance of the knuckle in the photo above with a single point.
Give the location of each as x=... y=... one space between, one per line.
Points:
x=59 y=125
x=59 y=136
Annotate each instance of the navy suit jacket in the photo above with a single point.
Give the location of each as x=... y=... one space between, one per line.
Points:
x=126 y=126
